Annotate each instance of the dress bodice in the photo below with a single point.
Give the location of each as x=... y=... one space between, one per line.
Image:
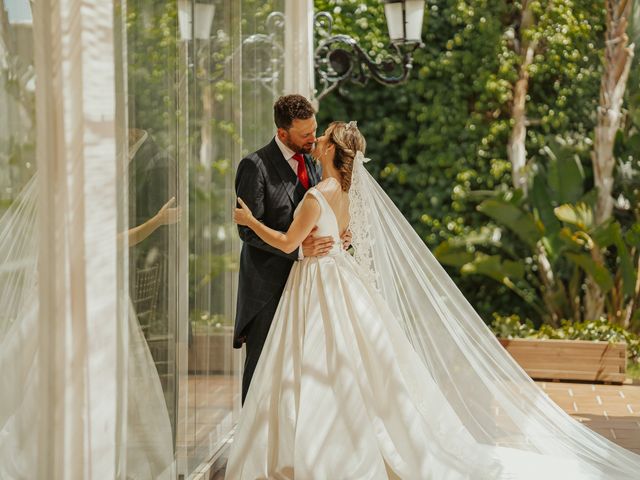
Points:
x=327 y=222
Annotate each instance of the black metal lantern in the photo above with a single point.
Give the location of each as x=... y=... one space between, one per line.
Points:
x=339 y=58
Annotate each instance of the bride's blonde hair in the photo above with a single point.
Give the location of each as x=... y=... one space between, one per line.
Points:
x=348 y=140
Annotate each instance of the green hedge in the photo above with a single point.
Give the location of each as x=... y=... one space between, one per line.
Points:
x=443 y=134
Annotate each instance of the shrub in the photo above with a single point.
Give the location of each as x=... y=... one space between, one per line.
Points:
x=601 y=330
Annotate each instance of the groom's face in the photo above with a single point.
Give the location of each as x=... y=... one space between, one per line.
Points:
x=301 y=136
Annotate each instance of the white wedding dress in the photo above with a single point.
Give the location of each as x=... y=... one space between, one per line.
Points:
x=340 y=393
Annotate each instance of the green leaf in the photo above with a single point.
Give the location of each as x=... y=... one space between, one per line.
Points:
x=514 y=218
x=596 y=271
x=542 y=207
x=552 y=245
x=495 y=267
x=632 y=237
x=606 y=234
x=452 y=256
x=611 y=234
x=565 y=175
x=627 y=268
x=479 y=195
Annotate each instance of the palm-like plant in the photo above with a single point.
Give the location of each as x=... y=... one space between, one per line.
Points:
x=546 y=246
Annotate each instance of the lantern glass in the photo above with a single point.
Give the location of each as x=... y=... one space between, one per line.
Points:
x=404 y=20
x=202 y=21
x=395 y=22
x=414 y=13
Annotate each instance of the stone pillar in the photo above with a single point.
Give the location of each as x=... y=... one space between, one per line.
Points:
x=298 y=48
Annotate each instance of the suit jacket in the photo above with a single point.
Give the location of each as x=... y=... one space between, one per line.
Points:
x=271 y=189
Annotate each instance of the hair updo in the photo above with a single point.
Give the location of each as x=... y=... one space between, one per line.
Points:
x=348 y=140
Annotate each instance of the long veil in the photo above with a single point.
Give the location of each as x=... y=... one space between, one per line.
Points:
x=493 y=397
x=18 y=338
x=149 y=437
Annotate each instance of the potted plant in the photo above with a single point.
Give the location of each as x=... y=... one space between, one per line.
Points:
x=587 y=351
x=211 y=345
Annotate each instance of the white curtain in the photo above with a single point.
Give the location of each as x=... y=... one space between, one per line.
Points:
x=78 y=268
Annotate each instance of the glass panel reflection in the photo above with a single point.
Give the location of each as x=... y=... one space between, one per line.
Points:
x=201 y=81
x=17 y=100
x=214 y=126
x=154 y=212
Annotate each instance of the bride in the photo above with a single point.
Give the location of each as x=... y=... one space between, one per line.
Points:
x=377 y=367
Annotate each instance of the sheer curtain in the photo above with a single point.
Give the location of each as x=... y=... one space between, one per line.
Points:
x=66 y=367
x=79 y=325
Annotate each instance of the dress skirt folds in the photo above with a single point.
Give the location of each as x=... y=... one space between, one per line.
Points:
x=339 y=393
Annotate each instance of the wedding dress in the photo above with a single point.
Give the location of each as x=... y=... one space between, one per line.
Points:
x=375 y=367
x=149 y=444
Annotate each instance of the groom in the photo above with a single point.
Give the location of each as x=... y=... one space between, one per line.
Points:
x=272 y=181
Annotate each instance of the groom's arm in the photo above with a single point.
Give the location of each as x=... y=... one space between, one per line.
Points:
x=250 y=185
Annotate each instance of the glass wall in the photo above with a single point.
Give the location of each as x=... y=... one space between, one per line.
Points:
x=194 y=87
x=201 y=81
x=17 y=101
x=151 y=57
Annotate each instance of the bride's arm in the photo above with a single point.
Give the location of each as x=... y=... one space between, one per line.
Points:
x=167 y=215
x=298 y=231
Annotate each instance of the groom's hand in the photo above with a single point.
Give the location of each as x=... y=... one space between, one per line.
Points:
x=313 y=246
x=346 y=239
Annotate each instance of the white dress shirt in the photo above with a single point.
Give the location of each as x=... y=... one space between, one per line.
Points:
x=288 y=154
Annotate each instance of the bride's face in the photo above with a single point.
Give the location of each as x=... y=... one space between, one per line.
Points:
x=323 y=150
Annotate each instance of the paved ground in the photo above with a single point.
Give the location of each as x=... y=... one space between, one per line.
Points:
x=611 y=410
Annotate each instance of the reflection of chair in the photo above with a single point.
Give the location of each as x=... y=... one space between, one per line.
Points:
x=145 y=302
x=145 y=296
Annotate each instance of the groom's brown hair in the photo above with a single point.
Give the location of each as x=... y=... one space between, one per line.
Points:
x=291 y=107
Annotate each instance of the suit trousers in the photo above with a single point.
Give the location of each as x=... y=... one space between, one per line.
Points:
x=256 y=334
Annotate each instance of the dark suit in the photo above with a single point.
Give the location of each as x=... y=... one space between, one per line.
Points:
x=270 y=188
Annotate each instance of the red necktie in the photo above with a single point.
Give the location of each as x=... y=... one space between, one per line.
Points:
x=302 y=170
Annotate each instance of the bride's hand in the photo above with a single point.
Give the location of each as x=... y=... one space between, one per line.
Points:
x=242 y=215
x=168 y=214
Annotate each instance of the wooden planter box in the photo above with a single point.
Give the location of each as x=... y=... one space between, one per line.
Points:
x=569 y=359
x=213 y=353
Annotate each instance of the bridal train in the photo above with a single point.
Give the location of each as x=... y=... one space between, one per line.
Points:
x=376 y=367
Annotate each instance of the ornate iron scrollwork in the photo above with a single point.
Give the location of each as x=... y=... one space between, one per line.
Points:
x=339 y=59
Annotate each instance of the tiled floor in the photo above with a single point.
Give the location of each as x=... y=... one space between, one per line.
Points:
x=209 y=400
x=610 y=410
